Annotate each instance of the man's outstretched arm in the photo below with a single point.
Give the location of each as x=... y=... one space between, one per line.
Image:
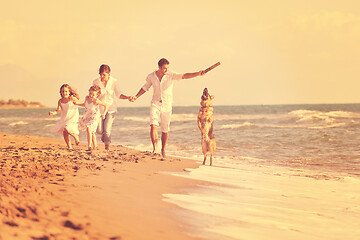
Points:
x=192 y=75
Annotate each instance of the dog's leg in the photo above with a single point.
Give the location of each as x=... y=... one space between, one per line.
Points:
x=204 y=159
x=212 y=149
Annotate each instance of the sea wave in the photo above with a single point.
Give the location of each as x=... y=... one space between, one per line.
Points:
x=309 y=116
x=320 y=120
x=343 y=114
x=136 y=119
x=246 y=125
x=183 y=117
x=313 y=114
x=341 y=124
x=117 y=128
x=237 y=117
x=174 y=118
x=18 y=123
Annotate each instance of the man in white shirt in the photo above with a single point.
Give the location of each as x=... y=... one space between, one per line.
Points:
x=162 y=81
x=109 y=92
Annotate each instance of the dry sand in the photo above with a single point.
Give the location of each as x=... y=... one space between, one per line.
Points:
x=49 y=192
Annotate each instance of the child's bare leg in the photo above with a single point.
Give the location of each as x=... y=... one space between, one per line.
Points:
x=76 y=138
x=94 y=140
x=89 y=137
x=67 y=139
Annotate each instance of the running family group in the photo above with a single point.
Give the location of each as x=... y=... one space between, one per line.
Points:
x=100 y=106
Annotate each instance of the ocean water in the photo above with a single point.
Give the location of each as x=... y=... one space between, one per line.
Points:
x=310 y=136
x=322 y=137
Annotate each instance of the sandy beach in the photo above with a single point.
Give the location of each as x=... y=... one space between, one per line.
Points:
x=49 y=192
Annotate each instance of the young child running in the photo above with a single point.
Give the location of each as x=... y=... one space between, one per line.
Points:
x=90 y=119
x=68 y=124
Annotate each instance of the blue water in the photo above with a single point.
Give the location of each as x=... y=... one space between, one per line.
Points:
x=322 y=137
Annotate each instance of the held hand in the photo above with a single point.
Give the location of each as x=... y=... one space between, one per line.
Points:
x=103 y=116
x=52 y=113
x=202 y=72
x=132 y=99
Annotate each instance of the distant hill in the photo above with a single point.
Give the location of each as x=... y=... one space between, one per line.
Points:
x=11 y=103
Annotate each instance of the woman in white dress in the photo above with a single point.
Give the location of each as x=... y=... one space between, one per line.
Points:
x=90 y=119
x=69 y=120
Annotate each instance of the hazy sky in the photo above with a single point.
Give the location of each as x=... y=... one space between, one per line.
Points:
x=271 y=52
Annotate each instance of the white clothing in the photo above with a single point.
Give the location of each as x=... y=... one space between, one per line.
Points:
x=156 y=116
x=109 y=94
x=163 y=91
x=69 y=119
x=91 y=117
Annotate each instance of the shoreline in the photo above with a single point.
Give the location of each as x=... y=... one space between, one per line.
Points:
x=260 y=201
x=49 y=192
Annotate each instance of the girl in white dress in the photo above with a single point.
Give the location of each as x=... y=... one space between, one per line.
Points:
x=69 y=120
x=90 y=119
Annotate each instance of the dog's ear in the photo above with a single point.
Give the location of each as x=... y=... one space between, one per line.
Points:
x=205 y=92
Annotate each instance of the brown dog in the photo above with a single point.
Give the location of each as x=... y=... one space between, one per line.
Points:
x=205 y=124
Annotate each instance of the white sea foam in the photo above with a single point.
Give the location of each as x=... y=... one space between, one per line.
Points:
x=136 y=119
x=312 y=114
x=50 y=119
x=254 y=199
x=314 y=117
x=321 y=120
x=18 y=123
x=341 y=124
x=343 y=114
x=183 y=117
x=174 y=118
x=241 y=125
x=220 y=204
x=129 y=129
x=239 y=117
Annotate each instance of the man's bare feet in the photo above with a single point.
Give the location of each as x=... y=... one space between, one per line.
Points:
x=154 y=150
x=163 y=153
x=107 y=147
